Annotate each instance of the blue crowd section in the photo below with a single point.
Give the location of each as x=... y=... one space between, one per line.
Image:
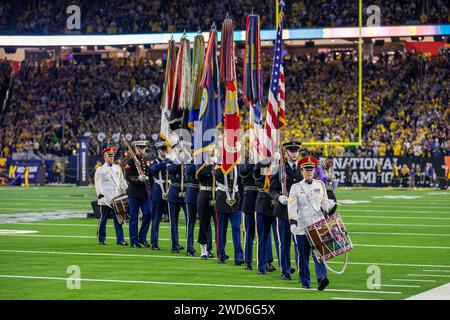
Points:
x=132 y=17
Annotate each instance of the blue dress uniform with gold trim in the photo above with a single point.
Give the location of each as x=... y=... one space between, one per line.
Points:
x=192 y=190
x=293 y=175
x=264 y=220
x=159 y=195
x=227 y=210
x=176 y=201
x=138 y=198
x=205 y=210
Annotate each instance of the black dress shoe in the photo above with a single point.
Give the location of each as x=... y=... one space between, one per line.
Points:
x=239 y=262
x=204 y=257
x=292 y=270
x=261 y=272
x=180 y=248
x=190 y=254
x=155 y=247
x=323 y=283
x=248 y=266
x=210 y=254
x=136 y=245
x=285 y=277
x=145 y=244
x=102 y=243
x=175 y=251
x=306 y=287
x=227 y=257
x=221 y=261
x=123 y=243
x=270 y=268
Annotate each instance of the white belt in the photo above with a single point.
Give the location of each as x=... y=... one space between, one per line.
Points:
x=223 y=188
x=204 y=188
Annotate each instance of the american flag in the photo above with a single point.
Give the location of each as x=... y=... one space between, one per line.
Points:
x=275 y=114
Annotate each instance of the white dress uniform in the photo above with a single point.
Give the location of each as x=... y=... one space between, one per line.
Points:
x=109 y=183
x=306 y=199
x=305 y=204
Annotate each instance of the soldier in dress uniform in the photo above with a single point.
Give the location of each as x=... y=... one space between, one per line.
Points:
x=227 y=206
x=205 y=207
x=264 y=219
x=293 y=175
x=176 y=195
x=307 y=200
x=139 y=186
x=109 y=183
x=192 y=190
x=159 y=191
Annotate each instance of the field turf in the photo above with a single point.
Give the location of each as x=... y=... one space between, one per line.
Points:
x=402 y=233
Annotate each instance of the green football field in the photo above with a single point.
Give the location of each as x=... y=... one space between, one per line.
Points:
x=400 y=236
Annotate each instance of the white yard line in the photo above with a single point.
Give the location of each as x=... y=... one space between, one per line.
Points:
x=392 y=210
x=396 y=225
x=395 y=217
x=439 y=293
x=401 y=234
x=347 y=223
x=342 y=298
x=429 y=275
x=399 y=285
x=413 y=280
x=148 y=255
x=229 y=241
x=220 y=285
x=436 y=270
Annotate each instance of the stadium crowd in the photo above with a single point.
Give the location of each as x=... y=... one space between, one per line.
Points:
x=405 y=106
x=121 y=16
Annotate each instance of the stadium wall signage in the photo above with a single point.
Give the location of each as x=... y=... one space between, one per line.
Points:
x=363 y=170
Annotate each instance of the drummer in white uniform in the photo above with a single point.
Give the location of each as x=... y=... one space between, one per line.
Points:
x=307 y=200
x=109 y=183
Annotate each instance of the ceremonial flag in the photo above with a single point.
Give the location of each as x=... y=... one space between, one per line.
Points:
x=252 y=83
x=198 y=58
x=168 y=93
x=179 y=117
x=210 y=115
x=275 y=113
x=231 y=144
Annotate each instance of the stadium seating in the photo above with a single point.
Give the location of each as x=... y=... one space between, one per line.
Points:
x=120 y=16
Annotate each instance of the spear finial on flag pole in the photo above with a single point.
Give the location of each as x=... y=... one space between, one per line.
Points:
x=213 y=26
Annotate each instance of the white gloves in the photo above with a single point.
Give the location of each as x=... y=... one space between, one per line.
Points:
x=213 y=160
x=327 y=205
x=283 y=200
x=176 y=160
x=142 y=178
x=293 y=229
x=276 y=156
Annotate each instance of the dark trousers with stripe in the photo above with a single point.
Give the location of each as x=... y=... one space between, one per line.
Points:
x=190 y=226
x=105 y=211
x=284 y=244
x=303 y=248
x=235 y=219
x=174 y=213
x=263 y=225
x=159 y=206
x=250 y=232
x=144 y=205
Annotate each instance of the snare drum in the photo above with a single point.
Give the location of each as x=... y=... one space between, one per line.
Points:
x=121 y=208
x=329 y=238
